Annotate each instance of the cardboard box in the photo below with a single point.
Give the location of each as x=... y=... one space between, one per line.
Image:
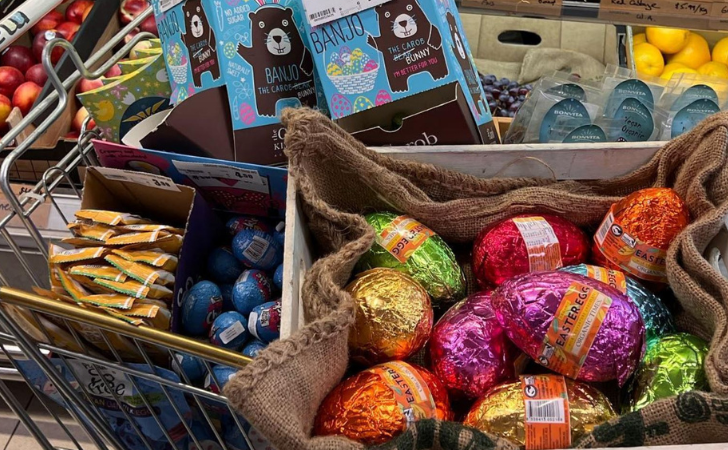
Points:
x=164 y=202
x=39 y=216
x=393 y=51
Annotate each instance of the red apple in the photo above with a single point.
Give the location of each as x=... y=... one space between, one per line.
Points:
x=141 y=45
x=129 y=36
x=40 y=41
x=85 y=14
x=5 y=108
x=68 y=30
x=72 y=135
x=79 y=118
x=25 y=95
x=74 y=12
x=150 y=26
x=17 y=56
x=88 y=85
x=130 y=9
x=37 y=75
x=10 y=79
x=47 y=22
x=115 y=71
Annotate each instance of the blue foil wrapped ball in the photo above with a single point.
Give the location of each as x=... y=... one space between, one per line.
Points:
x=223 y=375
x=200 y=306
x=192 y=367
x=280 y=233
x=253 y=288
x=229 y=330
x=253 y=347
x=257 y=249
x=223 y=266
x=240 y=223
x=657 y=318
x=227 y=297
x=264 y=321
x=278 y=277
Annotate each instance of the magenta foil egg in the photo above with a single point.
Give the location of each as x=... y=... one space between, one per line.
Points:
x=527 y=305
x=469 y=350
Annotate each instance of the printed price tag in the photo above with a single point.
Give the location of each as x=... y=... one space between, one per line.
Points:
x=403 y=236
x=547 y=422
x=220 y=175
x=576 y=323
x=544 y=252
x=410 y=390
x=166 y=5
x=232 y=332
x=323 y=11
x=145 y=179
x=634 y=257
x=614 y=278
x=540 y=7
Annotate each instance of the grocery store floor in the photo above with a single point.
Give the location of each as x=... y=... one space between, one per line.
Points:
x=14 y=436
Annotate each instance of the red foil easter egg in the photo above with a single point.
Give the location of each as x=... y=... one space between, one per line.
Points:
x=526 y=243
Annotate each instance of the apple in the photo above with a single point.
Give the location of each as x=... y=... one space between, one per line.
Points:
x=48 y=22
x=68 y=30
x=37 y=75
x=130 y=9
x=88 y=85
x=25 y=96
x=5 y=108
x=17 y=56
x=74 y=12
x=72 y=135
x=85 y=14
x=10 y=79
x=78 y=119
x=40 y=41
x=150 y=26
x=141 y=45
x=115 y=71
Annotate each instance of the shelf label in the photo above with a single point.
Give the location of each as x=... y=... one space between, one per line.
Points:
x=319 y=12
x=550 y=8
x=657 y=12
x=220 y=175
x=145 y=179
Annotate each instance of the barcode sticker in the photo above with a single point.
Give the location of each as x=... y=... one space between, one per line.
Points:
x=545 y=411
x=604 y=228
x=232 y=332
x=319 y=12
x=252 y=319
x=166 y=5
x=256 y=249
x=546 y=423
x=542 y=245
x=322 y=14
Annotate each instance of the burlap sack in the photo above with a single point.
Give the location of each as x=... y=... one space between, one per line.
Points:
x=338 y=179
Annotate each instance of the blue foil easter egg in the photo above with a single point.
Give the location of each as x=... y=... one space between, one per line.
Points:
x=254 y=347
x=280 y=233
x=200 y=306
x=223 y=375
x=227 y=297
x=192 y=367
x=257 y=249
x=222 y=266
x=264 y=321
x=278 y=277
x=253 y=288
x=229 y=330
x=240 y=223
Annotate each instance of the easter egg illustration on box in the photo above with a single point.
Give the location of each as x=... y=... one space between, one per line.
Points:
x=247 y=115
x=370 y=65
x=362 y=104
x=334 y=70
x=340 y=106
x=382 y=98
x=229 y=50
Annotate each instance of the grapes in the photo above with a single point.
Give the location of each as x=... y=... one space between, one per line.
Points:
x=488 y=89
x=496 y=93
x=512 y=85
x=523 y=91
x=504 y=97
x=513 y=92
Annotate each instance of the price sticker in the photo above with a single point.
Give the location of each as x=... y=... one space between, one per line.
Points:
x=221 y=175
x=145 y=179
x=319 y=12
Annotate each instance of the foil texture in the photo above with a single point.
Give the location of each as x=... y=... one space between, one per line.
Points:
x=500 y=252
x=526 y=305
x=469 y=350
x=502 y=411
x=673 y=365
x=655 y=315
x=433 y=264
x=363 y=408
x=393 y=316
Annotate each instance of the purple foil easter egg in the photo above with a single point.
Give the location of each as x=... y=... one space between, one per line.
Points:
x=469 y=350
x=542 y=312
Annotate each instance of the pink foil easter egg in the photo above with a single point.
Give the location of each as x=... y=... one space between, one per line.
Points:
x=340 y=106
x=382 y=98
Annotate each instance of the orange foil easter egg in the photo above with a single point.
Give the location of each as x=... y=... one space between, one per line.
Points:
x=637 y=231
x=379 y=403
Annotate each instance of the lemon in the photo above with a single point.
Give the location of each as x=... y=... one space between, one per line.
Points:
x=694 y=54
x=720 y=51
x=667 y=40
x=666 y=76
x=639 y=39
x=648 y=59
x=714 y=69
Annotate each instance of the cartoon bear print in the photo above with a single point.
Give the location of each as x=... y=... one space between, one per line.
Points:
x=282 y=65
x=409 y=43
x=469 y=72
x=200 y=42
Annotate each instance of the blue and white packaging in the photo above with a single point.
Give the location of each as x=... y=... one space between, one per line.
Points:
x=257 y=249
x=223 y=266
x=278 y=277
x=265 y=321
x=229 y=330
x=192 y=366
x=253 y=288
x=253 y=347
x=200 y=306
x=240 y=223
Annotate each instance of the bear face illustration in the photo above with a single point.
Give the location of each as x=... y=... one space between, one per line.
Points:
x=408 y=42
x=200 y=42
x=466 y=65
x=282 y=65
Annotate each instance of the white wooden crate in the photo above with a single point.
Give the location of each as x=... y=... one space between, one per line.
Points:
x=567 y=161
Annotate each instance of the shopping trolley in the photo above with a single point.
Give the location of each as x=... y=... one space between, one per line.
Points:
x=112 y=377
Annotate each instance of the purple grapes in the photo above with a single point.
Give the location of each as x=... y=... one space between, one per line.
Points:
x=504 y=97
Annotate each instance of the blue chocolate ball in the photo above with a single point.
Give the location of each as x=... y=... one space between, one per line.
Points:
x=192 y=366
x=200 y=306
x=240 y=223
x=222 y=266
x=254 y=347
x=227 y=297
x=265 y=321
x=253 y=288
x=257 y=249
x=223 y=375
x=229 y=330
x=278 y=277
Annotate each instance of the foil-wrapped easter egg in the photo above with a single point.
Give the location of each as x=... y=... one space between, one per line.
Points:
x=469 y=350
x=257 y=249
x=382 y=98
x=251 y=289
x=253 y=347
x=655 y=315
x=393 y=316
x=673 y=365
x=222 y=266
x=526 y=243
x=572 y=324
x=229 y=330
x=637 y=231
x=201 y=304
x=240 y=223
x=340 y=106
x=404 y=244
x=379 y=403
x=220 y=376
x=188 y=366
x=226 y=290
x=502 y=411
x=264 y=322
x=278 y=277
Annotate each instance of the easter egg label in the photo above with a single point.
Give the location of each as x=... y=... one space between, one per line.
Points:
x=233 y=331
x=575 y=325
x=586 y=133
x=632 y=122
x=257 y=248
x=544 y=251
x=629 y=89
x=547 y=421
x=688 y=117
x=568 y=90
x=403 y=236
x=634 y=257
x=693 y=93
x=570 y=110
x=410 y=391
x=614 y=278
